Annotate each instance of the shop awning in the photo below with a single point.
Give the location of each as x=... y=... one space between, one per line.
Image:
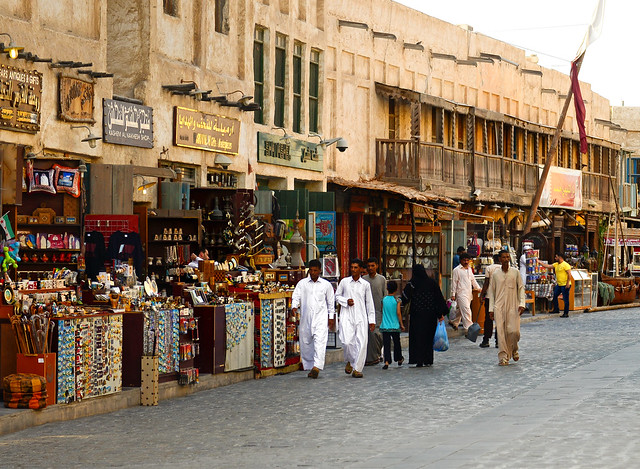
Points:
x=408 y=193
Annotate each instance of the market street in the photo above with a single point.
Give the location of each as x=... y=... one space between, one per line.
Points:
x=571 y=401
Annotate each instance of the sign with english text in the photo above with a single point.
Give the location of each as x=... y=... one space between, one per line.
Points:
x=204 y=131
x=127 y=123
x=20 y=99
x=275 y=149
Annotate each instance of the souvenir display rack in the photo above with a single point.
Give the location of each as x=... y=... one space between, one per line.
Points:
x=48 y=222
x=277 y=344
x=170 y=233
x=539 y=280
x=189 y=346
x=161 y=337
x=399 y=253
x=89 y=356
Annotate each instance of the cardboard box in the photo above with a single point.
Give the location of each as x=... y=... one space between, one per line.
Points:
x=43 y=364
x=149 y=384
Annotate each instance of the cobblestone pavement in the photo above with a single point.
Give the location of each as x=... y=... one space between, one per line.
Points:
x=571 y=401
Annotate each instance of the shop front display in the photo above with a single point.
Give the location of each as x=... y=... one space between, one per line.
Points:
x=89 y=356
x=277 y=343
x=400 y=255
x=583 y=293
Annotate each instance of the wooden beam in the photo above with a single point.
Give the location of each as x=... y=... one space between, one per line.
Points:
x=551 y=154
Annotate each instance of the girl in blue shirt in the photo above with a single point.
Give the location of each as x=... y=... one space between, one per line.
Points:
x=391 y=326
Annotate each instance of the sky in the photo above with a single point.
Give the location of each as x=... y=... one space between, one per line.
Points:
x=553 y=30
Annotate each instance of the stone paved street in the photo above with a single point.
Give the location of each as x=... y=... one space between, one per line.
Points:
x=571 y=401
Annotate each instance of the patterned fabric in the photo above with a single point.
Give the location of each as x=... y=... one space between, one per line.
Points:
x=27 y=401
x=24 y=383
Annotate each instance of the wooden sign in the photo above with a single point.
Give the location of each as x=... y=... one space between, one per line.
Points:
x=20 y=99
x=203 y=131
x=76 y=100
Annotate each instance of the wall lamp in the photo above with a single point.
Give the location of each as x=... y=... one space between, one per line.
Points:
x=90 y=139
x=285 y=135
x=340 y=142
x=12 y=49
x=145 y=185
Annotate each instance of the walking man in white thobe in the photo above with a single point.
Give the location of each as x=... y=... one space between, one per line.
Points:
x=357 y=313
x=314 y=296
x=506 y=304
x=462 y=285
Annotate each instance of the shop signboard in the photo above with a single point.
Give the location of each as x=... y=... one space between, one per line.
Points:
x=291 y=152
x=325 y=229
x=562 y=189
x=204 y=131
x=20 y=99
x=127 y=123
x=76 y=100
x=621 y=242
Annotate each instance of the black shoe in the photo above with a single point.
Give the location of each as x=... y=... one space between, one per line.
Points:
x=565 y=315
x=484 y=344
x=554 y=312
x=496 y=344
x=386 y=366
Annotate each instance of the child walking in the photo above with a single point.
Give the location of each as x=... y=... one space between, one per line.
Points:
x=391 y=326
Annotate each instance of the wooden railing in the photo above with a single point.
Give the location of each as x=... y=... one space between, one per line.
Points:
x=412 y=161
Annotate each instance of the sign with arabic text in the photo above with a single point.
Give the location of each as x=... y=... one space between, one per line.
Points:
x=127 y=123
x=325 y=228
x=203 y=131
x=20 y=99
x=76 y=100
x=291 y=152
x=562 y=189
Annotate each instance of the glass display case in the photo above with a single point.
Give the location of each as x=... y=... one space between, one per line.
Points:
x=583 y=293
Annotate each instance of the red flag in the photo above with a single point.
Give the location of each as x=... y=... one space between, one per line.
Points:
x=581 y=112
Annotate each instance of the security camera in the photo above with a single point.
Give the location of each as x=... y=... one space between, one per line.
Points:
x=224 y=165
x=342 y=144
x=476 y=193
x=223 y=161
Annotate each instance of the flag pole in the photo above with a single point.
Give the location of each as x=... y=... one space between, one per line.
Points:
x=551 y=154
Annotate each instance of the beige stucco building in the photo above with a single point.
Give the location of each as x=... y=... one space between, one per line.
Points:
x=384 y=72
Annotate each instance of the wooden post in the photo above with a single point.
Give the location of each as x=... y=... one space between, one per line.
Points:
x=551 y=154
x=385 y=224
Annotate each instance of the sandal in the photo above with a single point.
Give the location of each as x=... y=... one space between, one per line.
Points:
x=348 y=369
x=516 y=356
x=503 y=362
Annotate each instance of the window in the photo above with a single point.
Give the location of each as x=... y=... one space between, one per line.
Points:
x=392 y=119
x=314 y=90
x=170 y=7
x=189 y=173
x=298 y=51
x=222 y=16
x=279 y=82
x=258 y=74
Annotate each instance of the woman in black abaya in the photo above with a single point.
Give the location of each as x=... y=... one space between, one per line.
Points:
x=427 y=307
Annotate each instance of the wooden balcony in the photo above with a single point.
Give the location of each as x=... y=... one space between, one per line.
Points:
x=412 y=163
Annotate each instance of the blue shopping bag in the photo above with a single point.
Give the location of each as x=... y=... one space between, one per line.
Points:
x=441 y=340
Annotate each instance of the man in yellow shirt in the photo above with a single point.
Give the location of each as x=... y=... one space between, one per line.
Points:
x=563 y=283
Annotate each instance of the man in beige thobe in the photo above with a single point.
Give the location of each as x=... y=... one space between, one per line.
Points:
x=506 y=304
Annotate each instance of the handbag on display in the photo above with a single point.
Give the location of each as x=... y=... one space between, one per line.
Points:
x=473 y=248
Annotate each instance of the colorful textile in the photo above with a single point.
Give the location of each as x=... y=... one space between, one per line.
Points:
x=24 y=383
